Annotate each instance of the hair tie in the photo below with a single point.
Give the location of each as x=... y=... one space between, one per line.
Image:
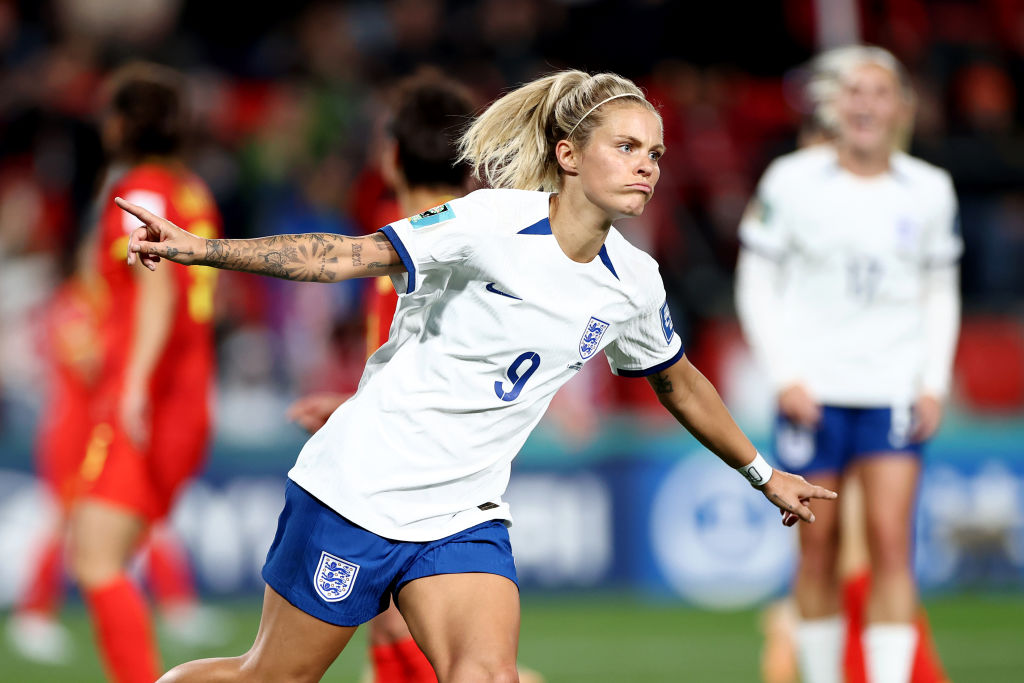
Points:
x=591 y=110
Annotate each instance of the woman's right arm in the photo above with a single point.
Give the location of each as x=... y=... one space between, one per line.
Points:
x=758 y=281
x=311 y=257
x=760 y=272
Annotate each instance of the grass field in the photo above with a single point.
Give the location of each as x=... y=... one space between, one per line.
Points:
x=619 y=640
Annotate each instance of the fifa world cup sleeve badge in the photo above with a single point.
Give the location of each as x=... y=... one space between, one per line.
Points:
x=439 y=214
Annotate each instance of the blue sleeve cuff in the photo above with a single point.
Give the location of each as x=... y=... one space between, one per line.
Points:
x=403 y=254
x=655 y=369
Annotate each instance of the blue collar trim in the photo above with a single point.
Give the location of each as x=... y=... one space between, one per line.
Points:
x=543 y=227
x=607 y=261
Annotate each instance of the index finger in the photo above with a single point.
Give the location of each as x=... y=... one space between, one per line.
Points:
x=819 y=492
x=137 y=211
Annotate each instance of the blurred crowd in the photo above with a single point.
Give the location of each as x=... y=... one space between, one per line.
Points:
x=290 y=103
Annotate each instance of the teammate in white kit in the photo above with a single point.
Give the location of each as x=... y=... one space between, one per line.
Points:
x=847 y=288
x=505 y=293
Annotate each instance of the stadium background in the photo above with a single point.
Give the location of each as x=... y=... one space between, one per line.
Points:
x=641 y=557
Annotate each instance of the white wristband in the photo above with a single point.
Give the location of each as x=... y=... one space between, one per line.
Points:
x=758 y=472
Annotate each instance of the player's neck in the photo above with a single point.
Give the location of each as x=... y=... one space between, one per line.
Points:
x=864 y=163
x=415 y=200
x=579 y=227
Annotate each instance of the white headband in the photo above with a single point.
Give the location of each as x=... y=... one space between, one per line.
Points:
x=591 y=110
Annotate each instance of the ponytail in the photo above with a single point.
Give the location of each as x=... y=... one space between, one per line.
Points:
x=512 y=143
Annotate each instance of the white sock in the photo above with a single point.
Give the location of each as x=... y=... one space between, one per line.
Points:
x=819 y=648
x=889 y=651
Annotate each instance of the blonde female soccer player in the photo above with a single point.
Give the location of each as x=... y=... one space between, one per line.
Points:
x=505 y=293
x=847 y=289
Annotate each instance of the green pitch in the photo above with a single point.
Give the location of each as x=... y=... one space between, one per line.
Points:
x=619 y=640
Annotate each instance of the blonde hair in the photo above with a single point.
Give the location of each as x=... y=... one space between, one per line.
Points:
x=831 y=68
x=512 y=143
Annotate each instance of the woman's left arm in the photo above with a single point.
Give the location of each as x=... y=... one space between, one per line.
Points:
x=940 y=330
x=940 y=308
x=153 y=319
x=695 y=403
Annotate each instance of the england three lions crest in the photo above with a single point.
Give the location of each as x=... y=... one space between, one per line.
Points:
x=334 y=577
x=591 y=339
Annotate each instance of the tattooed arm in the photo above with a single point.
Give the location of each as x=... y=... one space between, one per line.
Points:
x=312 y=257
x=695 y=403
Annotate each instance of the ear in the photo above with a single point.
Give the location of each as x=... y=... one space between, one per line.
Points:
x=112 y=131
x=568 y=157
x=389 y=164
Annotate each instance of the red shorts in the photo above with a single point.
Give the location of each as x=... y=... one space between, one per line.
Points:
x=146 y=481
x=63 y=436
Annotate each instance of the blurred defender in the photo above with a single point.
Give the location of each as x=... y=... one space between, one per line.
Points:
x=848 y=290
x=151 y=398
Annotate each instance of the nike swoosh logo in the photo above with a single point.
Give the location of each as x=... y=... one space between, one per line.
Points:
x=491 y=288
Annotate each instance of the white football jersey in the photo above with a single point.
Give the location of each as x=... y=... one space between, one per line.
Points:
x=854 y=255
x=492 y=319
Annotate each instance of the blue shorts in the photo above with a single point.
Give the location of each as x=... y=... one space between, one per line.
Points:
x=842 y=436
x=345 y=575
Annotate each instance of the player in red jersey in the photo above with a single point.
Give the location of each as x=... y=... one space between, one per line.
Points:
x=150 y=406
x=74 y=354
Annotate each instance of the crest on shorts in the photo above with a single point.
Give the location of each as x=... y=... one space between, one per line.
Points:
x=591 y=338
x=334 y=577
